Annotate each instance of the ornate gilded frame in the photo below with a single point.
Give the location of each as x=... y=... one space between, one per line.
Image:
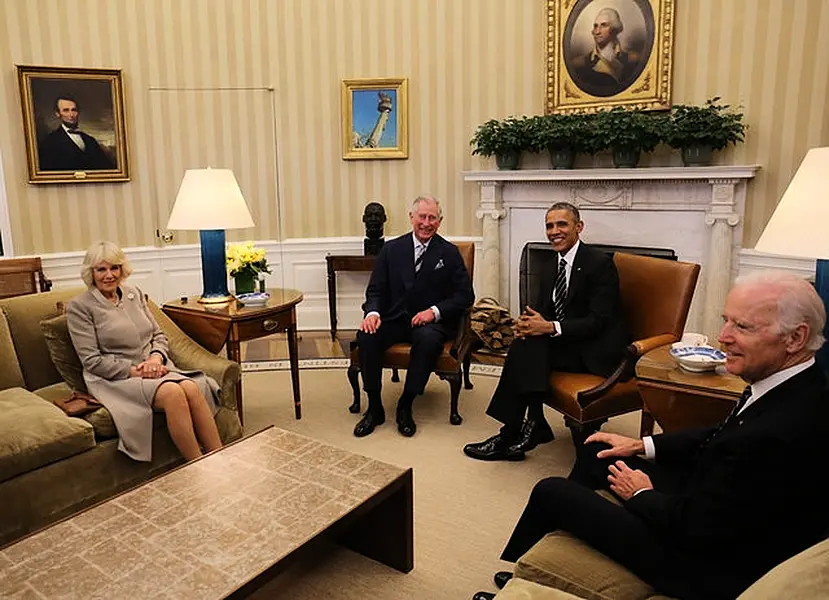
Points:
x=99 y=96
x=375 y=118
x=639 y=76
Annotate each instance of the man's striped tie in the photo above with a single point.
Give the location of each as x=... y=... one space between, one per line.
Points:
x=420 y=250
x=560 y=294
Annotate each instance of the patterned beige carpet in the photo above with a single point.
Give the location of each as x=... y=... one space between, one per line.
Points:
x=464 y=509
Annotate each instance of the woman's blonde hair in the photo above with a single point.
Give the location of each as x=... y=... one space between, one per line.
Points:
x=103 y=252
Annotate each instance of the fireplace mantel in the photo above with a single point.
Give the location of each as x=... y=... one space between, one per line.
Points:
x=697 y=211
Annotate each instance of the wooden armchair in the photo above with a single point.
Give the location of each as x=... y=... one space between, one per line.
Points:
x=20 y=276
x=656 y=295
x=453 y=362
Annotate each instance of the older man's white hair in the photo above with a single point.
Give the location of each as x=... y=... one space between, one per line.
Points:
x=612 y=18
x=430 y=199
x=797 y=303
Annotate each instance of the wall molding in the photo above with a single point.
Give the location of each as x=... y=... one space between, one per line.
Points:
x=169 y=272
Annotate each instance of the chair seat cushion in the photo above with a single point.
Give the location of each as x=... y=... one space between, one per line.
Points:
x=622 y=398
x=34 y=433
x=564 y=562
x=397 y=355
x=802 y=577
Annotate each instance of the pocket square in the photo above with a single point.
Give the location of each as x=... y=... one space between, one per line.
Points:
x=439 y=265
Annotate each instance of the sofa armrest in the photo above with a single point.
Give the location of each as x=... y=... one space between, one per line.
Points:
x=189 y=356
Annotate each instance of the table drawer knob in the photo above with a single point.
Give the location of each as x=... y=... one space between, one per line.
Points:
x=270 y=325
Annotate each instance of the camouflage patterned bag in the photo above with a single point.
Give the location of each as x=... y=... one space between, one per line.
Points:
x=493 y=324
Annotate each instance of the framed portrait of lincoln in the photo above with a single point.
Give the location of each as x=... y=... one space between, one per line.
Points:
x=606 y=53
x=73 y=123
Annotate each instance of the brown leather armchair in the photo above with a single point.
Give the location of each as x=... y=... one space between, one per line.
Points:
x=656 y=295
x=20 y=276
x=453 y=362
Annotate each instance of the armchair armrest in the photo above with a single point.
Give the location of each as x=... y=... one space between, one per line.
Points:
x=625 y=370
x=188 y=355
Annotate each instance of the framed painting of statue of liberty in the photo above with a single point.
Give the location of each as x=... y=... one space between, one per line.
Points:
x=375 y=120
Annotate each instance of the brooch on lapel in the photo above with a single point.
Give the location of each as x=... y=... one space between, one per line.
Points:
x=130 y=296
x=439 y=265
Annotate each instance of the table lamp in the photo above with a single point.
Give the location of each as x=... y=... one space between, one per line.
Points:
x=798 y=225
x=210 y=201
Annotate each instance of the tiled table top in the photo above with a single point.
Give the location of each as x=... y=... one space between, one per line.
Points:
x=200 y=531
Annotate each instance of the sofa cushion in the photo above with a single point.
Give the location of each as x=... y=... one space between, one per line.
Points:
x=34 y=433
x=63 y=353
x=24 y=314
x=564 y=562
x=521 y=589
x=803 y=577
x=10 y=375
x=100 y=419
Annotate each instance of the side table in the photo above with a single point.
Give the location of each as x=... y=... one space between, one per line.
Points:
x=680 y=399
x=343 y=262
x=231 y=323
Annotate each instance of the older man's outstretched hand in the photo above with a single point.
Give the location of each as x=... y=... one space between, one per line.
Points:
x=620 y=445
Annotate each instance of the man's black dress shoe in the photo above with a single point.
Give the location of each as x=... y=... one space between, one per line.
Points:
x=493 y=448
x=369 y=421
x=534 y=433
x=405 y=422
x=501 y=578
x=483 y=596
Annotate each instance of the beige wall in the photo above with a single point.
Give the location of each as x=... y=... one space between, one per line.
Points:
x=255 y=85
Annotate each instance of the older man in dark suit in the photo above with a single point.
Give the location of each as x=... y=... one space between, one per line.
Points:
x=708 y=511
x=576 y=325
x=418 y=291
x=68 y=148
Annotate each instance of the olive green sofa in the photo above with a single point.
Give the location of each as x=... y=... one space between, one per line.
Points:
x=562 y=567
x=52 y=465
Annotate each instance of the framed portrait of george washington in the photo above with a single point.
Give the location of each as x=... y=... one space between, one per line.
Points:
x=73 y=124
x=607 y=53
x=375 y=121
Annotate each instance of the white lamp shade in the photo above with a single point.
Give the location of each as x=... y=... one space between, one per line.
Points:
x=800 y=223
x=209 y=199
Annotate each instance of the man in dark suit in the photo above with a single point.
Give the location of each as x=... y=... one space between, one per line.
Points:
x=709 y=511
x=576 y=325
x=417 y=293
x=68 y=148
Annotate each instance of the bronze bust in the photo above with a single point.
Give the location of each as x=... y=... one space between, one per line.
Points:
x=374 y=216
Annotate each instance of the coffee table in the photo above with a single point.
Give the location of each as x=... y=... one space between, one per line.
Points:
x=680 y=399
x=220 y=526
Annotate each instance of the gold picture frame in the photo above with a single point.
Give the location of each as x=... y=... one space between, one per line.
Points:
x=375 y=118
x=607 y=53
x=73 y=124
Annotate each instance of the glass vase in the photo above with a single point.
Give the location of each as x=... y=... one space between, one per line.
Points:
x=244 y=283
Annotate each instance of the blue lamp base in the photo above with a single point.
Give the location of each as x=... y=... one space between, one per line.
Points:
x=822 y=288
x=213 y=266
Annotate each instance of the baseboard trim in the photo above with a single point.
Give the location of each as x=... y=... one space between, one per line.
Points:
x=340 y=363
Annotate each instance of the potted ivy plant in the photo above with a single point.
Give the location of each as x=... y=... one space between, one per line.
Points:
x=503 y=139
x=563 y=136
x=699 y=130
x=627 y=133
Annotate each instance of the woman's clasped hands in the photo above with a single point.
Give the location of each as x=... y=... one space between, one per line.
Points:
x=149 y=369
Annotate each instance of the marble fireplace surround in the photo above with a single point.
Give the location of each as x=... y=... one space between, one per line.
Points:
x=697 y=211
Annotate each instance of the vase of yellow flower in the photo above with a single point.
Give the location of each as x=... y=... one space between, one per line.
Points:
x=244 y=263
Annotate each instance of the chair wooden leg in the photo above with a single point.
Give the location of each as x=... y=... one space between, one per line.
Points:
x=354 y=380
x=467 y=363
x=454 y=380
x=581 y=431
x=646 y=424
x=395 y=375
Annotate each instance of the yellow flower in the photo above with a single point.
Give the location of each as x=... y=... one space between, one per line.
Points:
x=244 y=257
